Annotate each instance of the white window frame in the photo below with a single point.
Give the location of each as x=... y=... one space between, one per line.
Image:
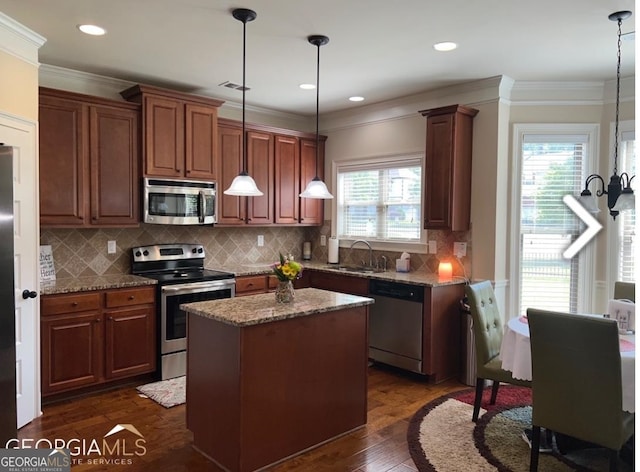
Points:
x=418 y=247
x=627 y=126
x=586 y=278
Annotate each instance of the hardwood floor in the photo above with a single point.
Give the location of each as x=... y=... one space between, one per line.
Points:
x=380 y=445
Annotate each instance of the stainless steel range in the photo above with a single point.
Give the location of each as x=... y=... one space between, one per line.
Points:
x=182 y=278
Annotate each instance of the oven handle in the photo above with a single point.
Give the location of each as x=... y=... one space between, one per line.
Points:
x=201 y=207
x=198 y=287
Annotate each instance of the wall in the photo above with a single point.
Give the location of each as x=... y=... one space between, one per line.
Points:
x=22 y=83
x=83 y=252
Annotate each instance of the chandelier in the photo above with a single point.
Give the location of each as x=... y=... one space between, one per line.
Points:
x=619 y=192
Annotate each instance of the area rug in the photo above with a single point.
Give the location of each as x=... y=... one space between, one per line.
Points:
x=167 y=393
x=442 y=437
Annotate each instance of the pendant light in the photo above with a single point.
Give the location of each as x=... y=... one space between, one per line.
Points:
x=619 y=192
x=243 y=185
x=317 y=188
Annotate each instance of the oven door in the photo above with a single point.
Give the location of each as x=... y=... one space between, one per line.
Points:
x=173 y=321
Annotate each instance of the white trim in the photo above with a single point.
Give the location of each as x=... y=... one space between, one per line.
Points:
x=586 y=296
x=19 y=41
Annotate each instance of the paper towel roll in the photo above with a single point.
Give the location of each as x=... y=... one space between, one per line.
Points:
x=334 y=246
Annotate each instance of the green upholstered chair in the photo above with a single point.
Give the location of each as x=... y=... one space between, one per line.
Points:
x=624 y=290
x=577 y=385
x=488 y=329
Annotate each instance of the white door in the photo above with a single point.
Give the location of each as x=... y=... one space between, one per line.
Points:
x=23 y=137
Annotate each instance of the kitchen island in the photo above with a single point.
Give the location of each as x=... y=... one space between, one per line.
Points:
x=266 y=381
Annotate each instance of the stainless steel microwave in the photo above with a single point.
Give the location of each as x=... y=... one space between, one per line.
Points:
x=179 y=202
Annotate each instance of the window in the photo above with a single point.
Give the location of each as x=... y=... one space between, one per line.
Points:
x=623 y=247
x=380 y=200
x=551 y=163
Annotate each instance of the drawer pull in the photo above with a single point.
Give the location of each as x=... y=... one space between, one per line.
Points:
x=132 y=297
x=74 y=303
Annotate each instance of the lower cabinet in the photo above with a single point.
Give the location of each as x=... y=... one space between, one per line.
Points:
x=97 y=337
x=339 y=283
x=252 y=284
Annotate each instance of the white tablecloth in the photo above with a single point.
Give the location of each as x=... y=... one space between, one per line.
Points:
x=515 y=354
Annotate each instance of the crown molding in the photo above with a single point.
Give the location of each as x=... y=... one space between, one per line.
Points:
x=82 y=82
x=19 y=41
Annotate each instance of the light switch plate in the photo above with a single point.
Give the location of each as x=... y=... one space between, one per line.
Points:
x=111 y=247
x=459 y=249
x=260 y=240
x=433 y=247
x=323 y=240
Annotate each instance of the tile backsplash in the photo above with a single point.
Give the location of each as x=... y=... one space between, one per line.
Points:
x=83 y=252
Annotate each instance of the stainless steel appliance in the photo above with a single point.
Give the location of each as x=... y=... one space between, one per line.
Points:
x=395 y=324
x=182 y=278
x=179 y=202
x=8 y=418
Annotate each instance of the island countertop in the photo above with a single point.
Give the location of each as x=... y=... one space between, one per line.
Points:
x=262 y=308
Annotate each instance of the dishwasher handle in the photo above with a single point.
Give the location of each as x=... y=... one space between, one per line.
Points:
x=400 y=291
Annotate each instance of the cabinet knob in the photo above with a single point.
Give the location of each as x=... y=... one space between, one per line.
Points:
x=97 y=320
x=132 y=297
x=74 y=303
x=26 y=293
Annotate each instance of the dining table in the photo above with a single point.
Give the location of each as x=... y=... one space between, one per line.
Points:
x=515 y=354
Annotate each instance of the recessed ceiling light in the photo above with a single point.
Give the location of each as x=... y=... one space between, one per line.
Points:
x=92 y=30
x=445 y=46
x=307 y=86
x=356 y=98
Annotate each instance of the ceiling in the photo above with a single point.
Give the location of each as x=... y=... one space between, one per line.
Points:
x=378 y=49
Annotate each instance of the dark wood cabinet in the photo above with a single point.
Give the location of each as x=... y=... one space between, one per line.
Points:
x=311 y=209
x=180 y=132
x=447 y=173
x=96 y=337
x=287 y=179
x=281 y=162
x=89 y=161
x=339 y=283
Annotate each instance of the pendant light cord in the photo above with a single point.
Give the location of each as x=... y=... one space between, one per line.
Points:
x=318 y=113
x=615 y=139
x=245 y=164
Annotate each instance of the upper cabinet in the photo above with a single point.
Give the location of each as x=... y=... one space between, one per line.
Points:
x=89 y=161
x=180 y=132
x=281 y=162
x=447 y=181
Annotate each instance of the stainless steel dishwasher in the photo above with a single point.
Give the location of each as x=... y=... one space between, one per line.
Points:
x=395 y=324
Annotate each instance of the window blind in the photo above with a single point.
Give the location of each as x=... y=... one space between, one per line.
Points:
x=627 y=219
x=552 y=167
x=380 y=200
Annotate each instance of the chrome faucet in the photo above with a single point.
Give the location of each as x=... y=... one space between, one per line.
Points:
x=368 y=245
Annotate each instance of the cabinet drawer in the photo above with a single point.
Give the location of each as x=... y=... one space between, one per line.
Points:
x=133 y=296
x=56 y=304
x=272 y=282
x=251 y=284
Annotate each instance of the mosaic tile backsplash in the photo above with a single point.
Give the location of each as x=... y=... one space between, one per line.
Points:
x=83 y=252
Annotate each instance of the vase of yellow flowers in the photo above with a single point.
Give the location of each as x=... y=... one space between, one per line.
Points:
x=287 y=270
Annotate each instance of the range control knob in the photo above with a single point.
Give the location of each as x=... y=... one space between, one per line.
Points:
x=200 y=250
x=145 y=253
x=138 y=254
x=194 y=250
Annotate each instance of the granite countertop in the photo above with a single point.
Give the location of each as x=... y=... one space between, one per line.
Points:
x=84 y=284
x=425 y=279
x=262 y=308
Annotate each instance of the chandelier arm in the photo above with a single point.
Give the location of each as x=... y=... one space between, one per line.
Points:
x=599 y=192
x=626 y=180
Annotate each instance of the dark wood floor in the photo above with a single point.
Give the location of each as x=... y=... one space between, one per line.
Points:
x=379 y=446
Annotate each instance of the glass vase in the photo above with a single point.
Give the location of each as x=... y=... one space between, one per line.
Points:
x=285 y=292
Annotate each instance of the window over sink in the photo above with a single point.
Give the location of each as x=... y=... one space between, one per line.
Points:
x=380 y=200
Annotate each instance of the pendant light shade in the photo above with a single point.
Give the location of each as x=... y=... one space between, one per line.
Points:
x=317 y=188
x=619 y=192
x=243 y=185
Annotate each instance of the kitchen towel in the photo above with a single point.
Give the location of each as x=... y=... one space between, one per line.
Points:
x=334 y=246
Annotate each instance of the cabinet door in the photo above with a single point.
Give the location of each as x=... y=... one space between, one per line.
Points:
x=72 y=351
x=311 y=209
x=130 y=339
x=63 y=162
x=231 y=209
x=339 y=283
x=439 y=153
x=114 y=166
x=201 y=135
x=287 y=188
x=164 y=137
x=260 y=167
